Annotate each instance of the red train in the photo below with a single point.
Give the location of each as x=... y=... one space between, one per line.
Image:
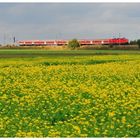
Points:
x=111 y=41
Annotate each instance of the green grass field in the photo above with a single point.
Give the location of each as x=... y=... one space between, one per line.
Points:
x=69 y=93
x=35 y=53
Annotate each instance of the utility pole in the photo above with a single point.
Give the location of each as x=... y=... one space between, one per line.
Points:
x=4 y=39
x=14 y=39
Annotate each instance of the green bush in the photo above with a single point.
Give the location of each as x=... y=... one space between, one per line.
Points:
x=73 y=44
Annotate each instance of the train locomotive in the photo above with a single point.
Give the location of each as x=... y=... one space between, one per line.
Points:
x=111 y=41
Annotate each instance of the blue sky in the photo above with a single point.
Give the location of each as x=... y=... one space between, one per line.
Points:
x=68 y=20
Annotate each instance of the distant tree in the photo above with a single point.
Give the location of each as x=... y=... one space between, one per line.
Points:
x=73 y=44
x=138 y=42
x=133 y=42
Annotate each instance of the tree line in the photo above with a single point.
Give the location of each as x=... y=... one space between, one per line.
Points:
x=135 y=42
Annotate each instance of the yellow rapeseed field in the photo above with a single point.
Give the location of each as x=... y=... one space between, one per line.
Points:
x=77 y=96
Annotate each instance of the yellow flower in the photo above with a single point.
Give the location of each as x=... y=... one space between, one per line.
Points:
x=96 y=131
x=111 y=114
x=123 y=119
